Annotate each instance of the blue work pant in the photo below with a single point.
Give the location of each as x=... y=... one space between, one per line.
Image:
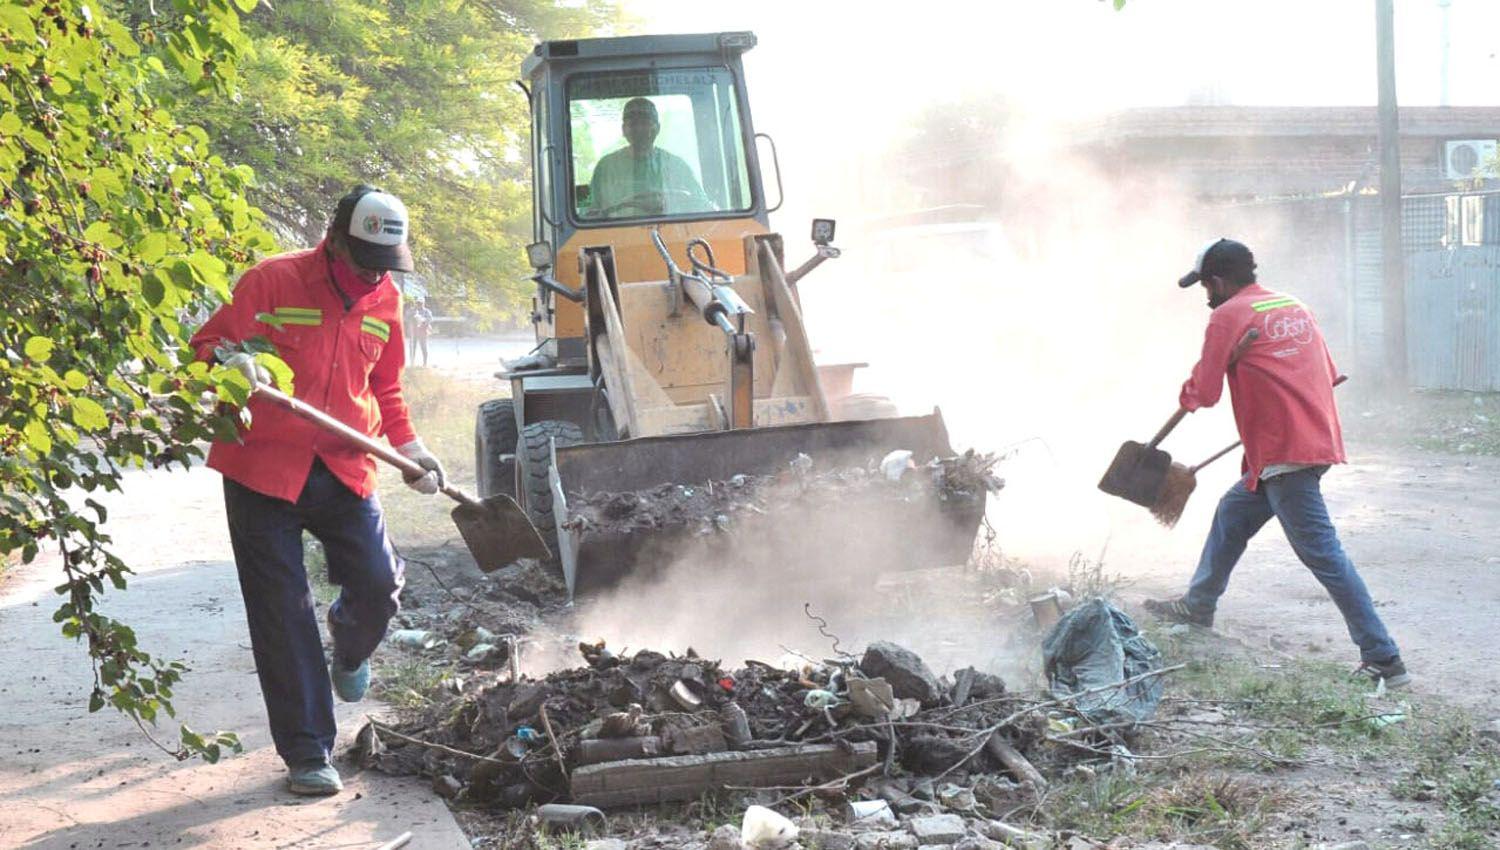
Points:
x=266 y=533
x=1296 y=499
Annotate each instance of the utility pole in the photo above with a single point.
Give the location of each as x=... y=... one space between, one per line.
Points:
x=1393 y=260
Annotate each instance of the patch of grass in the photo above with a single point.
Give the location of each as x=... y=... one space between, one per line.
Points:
x=1453 y=422
x=315 y=560
x=1456 y=768
x=408 y=683
x=442 y=410
x=1227 y=812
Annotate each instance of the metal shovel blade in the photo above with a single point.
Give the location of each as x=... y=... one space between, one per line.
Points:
x=498 y=532
x=1137 y=473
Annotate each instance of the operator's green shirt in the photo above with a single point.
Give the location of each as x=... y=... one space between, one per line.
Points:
x=662 y=178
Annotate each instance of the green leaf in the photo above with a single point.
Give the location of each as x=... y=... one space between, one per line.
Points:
x=152 y=247
x=153 y=290
x=37 y=437
x=16 y=22
x=75 y=379
x=88 y=414
x=96 y=700
x=247 y=6
x=39 y=348
x=10 y=123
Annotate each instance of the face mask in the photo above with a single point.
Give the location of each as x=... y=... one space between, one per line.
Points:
x=349 y=280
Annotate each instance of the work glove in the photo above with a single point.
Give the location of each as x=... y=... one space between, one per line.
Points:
x=244 y=363
x=425 y=484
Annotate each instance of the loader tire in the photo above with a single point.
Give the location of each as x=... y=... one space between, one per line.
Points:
x=495 y=440
x=535 y=459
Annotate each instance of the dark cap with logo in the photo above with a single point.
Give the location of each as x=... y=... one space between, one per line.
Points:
x=1220 y=257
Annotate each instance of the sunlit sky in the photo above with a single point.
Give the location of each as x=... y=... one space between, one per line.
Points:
x=1079 y=56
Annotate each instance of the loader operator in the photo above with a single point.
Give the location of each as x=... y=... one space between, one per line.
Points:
x=335 y=317
x=1281 y=389
x=641 y=178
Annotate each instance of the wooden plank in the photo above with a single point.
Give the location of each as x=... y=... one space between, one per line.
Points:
x=625 y=783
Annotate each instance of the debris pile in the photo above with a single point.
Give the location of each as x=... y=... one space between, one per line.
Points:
x=649 y=728
x=952 y=482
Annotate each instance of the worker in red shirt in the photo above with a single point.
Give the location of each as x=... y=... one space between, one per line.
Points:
x=1281 y=388
x=334 y=316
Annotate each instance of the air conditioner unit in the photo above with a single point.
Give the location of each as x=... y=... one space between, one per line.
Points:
x=1467 y=158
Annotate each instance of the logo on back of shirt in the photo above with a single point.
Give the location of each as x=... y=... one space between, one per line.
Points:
x=1290 y=324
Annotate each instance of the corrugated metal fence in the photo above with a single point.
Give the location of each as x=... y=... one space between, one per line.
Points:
x=1453 y=318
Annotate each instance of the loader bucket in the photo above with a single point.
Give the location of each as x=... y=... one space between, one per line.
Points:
x=906 y=534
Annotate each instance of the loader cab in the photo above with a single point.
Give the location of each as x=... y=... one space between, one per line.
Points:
x=632 y=133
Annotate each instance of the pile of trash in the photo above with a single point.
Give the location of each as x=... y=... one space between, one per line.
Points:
x=647 y=728
x=716 y=505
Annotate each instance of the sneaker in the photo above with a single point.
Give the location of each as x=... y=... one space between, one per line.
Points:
x=314 y=779
x=350 y=683
x=1177 y=611
x=1393 y=672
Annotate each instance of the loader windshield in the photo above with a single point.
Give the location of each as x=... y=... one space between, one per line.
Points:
x=656 y=144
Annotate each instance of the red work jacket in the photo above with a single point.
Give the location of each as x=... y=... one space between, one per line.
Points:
x=1281 y=388
x=347 y=362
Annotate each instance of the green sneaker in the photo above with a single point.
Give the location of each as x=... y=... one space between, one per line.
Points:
x=314 y=779
x=350 y=685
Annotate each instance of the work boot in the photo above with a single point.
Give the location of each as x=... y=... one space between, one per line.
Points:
x=1393 y=672
x=1178 y=611
x=349 y=683
x=314 y=779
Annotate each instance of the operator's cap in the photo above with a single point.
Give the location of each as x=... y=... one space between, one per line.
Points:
x=1217 y=255
x=376 y=224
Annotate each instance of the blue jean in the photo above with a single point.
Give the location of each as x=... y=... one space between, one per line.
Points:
x=266 y=533
x=1296 y=499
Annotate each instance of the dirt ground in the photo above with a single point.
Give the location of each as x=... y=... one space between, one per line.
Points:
x=1419 y=525
x=1421 y=528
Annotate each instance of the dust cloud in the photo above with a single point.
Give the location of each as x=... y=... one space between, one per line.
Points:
x=1038 y=311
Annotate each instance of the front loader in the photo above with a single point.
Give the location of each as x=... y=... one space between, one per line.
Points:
x=671 y=345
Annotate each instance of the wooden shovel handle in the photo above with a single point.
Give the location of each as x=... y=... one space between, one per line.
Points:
x=1236 y=444
x=356 y=438
x=1167 y=428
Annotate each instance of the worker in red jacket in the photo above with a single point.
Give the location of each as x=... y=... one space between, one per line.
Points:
x=334 y=316
x=1281 y=388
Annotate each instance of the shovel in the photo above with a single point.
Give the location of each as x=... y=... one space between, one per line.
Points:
x=496 y=530
x=1139 y=472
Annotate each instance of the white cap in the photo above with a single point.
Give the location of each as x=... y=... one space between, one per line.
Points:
x=377 y=231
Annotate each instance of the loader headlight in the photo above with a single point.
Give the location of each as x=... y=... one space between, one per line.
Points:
x=822 y=231
x=539 y=255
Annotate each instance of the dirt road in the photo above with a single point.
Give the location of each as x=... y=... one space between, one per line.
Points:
x=69 y=779
x=1424 y=531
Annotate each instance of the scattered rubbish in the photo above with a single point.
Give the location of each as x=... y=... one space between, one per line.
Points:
x=820 y=699
x=895 y=464
x=1046 y=609
x=766 y=829
x=481 y=651
x=872 y=698
x=416 y=638
x=871 y=813
x=682 y=693
x=396 y=843
x=1381 y=721
x=528 y=734
x=1097 y=645
x=586 y=820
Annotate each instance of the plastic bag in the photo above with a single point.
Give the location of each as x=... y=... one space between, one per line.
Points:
x=1095 y=645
